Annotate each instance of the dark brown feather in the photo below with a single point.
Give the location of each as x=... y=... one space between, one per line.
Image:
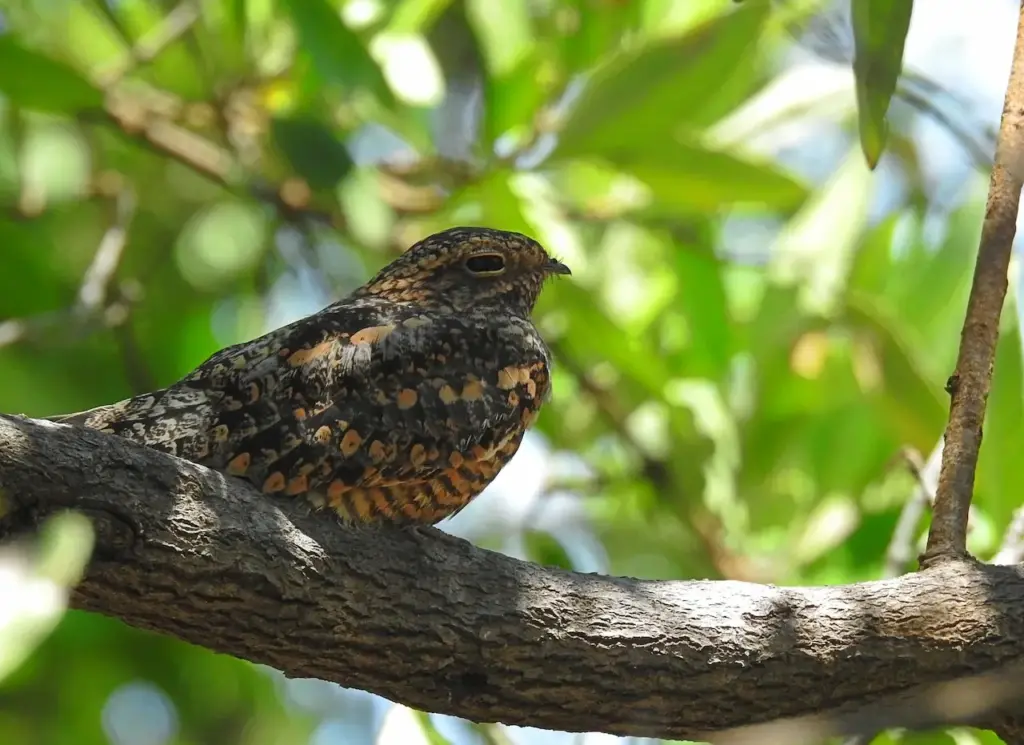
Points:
x=399 y=403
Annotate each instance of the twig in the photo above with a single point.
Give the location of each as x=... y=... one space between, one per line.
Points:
x=706 y=525
x=582 y=487
x=654 y=470
x=981 y=156
x=93 y=300
x=901 y=546
x=969 y=385
x=97 y=280
x=132 y=118
x=926 y=91
x=172 y=27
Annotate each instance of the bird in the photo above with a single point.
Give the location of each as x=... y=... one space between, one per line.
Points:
x=396 y=404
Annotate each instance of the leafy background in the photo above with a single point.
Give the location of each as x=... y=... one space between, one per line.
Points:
x=751 y=351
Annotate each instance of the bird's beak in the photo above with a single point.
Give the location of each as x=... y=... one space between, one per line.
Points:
x=556 y=267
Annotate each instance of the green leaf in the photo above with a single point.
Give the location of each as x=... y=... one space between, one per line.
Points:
x=928 y=288
x=504 y=32
x=873 y=261
x=689 y=178
x=416 y=16
x=337 y=52
x=911 y=402
x=431 y=735
x=592 y=337
x=221 y=244
x=845 y=447
x=513 y=99
x=490 y=201
x=645 y=93
x=313 y=151
x=35 y=81
x=859 y=558
x=600 y=28
x=703 y=298
x=29 y=284
x=513 y=88
x=879 y=31
x=816 y=247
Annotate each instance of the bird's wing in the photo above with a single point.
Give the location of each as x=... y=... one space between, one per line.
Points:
x=357 y=400
x=356 y=406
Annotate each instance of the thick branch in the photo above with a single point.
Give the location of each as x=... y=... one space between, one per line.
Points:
x=969 y=385
x=435 y=623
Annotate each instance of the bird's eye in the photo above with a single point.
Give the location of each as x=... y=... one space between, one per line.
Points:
x=485 y=265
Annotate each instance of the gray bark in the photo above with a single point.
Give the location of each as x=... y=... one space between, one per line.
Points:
x=433 y=622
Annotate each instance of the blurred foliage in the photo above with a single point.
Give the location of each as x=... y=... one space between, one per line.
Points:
x=743 y=353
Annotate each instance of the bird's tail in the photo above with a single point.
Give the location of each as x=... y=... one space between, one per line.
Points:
x=99 y=417
x=173 y=419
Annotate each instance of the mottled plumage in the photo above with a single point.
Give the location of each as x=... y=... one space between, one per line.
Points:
x=399 y=403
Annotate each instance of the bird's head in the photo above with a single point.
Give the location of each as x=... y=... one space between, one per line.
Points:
x=463 y=268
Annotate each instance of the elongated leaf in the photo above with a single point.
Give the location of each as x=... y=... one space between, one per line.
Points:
x=428 y=730
x=35 y=81
x=816 y=247
x=848 y=445
x=912 y=403
x=512 y=100
x=601 y=27
x=872 y=261
x=591 y=337
x=928 y=288
x=337 y=53
x=644 y=94
x=879 y=30
x=503 y=30
x=28 y=284
x=689 y=178
x=416 y=16
x=702 y=296
x=490 y=201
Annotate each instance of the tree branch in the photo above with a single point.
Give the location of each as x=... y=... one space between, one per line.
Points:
x=969 y=385
x=98 y=300
x=433 y=622
x=904 y=536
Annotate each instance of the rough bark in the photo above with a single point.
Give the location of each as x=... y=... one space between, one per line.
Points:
x=433 y=622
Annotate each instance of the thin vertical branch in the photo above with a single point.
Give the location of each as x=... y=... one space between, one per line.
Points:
x=901 y=546
x=969 y=384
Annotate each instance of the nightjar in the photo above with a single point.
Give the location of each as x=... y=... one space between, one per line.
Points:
x=398 y=403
